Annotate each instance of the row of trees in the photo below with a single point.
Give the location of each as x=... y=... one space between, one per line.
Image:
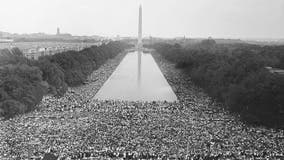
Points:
x=236 y=75
x=24 y=82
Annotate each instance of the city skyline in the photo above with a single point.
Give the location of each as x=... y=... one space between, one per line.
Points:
x=190 y=18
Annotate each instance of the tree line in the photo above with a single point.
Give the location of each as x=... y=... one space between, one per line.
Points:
x=24 y=82
x=235 y=74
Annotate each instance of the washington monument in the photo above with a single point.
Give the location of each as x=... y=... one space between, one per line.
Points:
x=139 y=45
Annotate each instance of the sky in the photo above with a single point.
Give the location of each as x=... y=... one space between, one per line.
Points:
x=161 y=18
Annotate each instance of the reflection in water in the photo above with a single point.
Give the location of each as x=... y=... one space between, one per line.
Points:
x=132 y=82
x=139 y=55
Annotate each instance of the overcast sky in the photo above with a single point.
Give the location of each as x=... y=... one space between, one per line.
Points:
x=163 y=18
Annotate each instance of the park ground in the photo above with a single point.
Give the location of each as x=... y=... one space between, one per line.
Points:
x=79 y=127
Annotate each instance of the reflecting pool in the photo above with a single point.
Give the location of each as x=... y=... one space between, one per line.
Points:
x=137 y=78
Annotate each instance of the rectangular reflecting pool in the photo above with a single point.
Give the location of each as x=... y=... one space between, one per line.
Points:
x=137 y=78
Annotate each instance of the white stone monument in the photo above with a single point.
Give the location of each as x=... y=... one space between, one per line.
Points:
x=137 y=78
x=139 y=45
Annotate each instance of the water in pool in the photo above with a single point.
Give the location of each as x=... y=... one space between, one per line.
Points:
x=137 y=78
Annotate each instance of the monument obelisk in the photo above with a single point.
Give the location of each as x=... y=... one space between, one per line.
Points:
x=139 y=45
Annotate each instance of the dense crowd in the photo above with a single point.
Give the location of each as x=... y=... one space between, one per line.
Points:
x=76 y=126
x=249 y=79
x=53 y=108
x=24 y=82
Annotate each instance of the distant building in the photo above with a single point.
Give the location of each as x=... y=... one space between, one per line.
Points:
x=275 y=70
x=117 y=37
x=58 y=31
x=6 y=40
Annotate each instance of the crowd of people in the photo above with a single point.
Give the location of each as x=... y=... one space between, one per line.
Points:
x=248 y=78
x=76 y=126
